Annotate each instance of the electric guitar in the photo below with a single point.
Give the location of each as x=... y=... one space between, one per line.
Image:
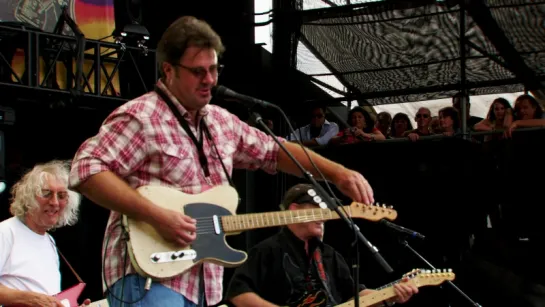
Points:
x=101 y=303
x=419 y=278
x=155 y=258
x=68 y=297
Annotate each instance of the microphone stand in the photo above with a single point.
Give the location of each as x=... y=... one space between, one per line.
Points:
x=331 y=204
x=404 y=242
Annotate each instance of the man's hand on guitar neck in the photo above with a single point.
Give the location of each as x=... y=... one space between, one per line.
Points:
x=174 y=226
x=404 y=291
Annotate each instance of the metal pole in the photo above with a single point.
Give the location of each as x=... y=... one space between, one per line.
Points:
x=465 y=97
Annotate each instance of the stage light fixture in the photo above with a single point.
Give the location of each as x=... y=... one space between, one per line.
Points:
x=132 y=34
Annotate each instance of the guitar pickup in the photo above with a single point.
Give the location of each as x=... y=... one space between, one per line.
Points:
x=171 y=256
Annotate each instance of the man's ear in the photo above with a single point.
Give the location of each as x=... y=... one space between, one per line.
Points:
x=168 y=70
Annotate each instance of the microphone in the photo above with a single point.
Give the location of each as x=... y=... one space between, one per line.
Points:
x=221 y=91
x=402 y=229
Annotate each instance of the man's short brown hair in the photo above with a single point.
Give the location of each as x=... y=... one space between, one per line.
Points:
x=186 y=31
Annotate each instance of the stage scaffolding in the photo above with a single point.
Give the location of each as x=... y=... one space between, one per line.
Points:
x=40 y=66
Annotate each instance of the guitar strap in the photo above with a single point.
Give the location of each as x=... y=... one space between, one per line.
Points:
x=198 y=143
x=69 y=266
x=319 y=266
x=202 y=160
x=66 y=261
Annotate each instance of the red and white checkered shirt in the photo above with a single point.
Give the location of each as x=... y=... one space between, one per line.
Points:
x=143 y=143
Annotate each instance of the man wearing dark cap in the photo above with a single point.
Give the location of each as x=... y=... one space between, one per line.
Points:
x=295 y=266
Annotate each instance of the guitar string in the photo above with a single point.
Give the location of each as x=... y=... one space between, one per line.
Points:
x=273 y=214
x=300 y=218
x=207 y=225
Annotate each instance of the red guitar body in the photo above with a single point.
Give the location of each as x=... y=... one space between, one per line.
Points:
x=69 y=297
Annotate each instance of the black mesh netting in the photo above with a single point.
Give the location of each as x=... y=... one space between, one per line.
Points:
x=410 y=54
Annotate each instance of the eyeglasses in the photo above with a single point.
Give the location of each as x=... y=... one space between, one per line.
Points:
x=62 y=195
x=200 y=72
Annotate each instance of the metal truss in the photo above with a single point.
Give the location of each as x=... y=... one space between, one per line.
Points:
x=61 y=66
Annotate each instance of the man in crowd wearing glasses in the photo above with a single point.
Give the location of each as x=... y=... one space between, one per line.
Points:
x=423 y=120
x=318 y=132
x=173 y=137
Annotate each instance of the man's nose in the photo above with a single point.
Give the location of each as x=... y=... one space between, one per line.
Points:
x=209 y=78
x=54 y=200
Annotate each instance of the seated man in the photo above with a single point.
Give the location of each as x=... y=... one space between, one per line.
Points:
x=294 y=265
x=29 y=263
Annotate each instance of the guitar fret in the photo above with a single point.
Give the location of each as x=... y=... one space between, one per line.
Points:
x=291 y=215
x=237 y=223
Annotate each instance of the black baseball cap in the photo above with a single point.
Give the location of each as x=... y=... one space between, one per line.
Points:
x=302 y=194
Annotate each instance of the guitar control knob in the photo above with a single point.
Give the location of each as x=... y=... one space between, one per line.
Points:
x=155 y=258
x=173 y=256
x=180 y=254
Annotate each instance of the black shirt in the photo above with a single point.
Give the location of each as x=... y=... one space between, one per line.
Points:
x=280 y=271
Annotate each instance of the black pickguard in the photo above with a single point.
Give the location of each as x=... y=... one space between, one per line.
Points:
x=210 y=244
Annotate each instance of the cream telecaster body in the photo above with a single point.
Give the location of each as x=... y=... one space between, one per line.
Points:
x=214 y=210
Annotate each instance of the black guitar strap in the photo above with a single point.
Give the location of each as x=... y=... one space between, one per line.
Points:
x=198 y=143
x=202 y=160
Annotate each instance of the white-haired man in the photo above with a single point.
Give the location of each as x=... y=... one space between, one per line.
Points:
x=29 y=263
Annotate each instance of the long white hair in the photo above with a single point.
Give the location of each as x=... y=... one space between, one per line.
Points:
x=24 y=192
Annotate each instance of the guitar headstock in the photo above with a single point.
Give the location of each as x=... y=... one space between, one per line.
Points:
x=373 y=213
x=423 y=277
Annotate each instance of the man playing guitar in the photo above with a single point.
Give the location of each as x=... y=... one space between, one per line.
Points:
x=303 y=270
x=29 y=263
x=173 y=137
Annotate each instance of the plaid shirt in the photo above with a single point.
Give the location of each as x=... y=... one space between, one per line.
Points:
x=143 y=142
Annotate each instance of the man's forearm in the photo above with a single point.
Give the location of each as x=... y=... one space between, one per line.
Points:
x=108 y=190
x=250 y=299
x=329 y=168
x=12 y=297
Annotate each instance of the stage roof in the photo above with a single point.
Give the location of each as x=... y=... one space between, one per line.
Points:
x=394 y=52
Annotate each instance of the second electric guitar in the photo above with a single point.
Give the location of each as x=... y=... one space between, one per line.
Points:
x=214 y=210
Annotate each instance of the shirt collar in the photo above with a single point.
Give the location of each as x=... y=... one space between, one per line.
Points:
x=202 y=112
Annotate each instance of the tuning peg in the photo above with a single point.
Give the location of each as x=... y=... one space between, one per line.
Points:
x=450 y=270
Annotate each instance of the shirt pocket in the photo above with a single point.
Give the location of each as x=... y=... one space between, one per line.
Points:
x=178 y=166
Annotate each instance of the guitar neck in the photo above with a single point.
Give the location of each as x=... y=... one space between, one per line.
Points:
x=239 y=223
x=101 y=303
x=380 y=295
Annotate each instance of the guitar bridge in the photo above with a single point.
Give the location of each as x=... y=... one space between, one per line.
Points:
x=172 y=256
